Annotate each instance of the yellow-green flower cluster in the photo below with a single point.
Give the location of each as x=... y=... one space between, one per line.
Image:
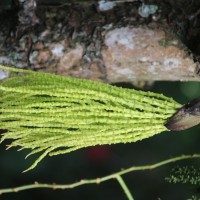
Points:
x=55 y=115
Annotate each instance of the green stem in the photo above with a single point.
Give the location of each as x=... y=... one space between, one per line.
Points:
x=124 y=187
x=98 y=180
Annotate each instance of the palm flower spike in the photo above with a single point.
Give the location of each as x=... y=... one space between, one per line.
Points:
x=53 y=115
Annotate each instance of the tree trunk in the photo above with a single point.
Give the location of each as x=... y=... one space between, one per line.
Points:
x=117 y=42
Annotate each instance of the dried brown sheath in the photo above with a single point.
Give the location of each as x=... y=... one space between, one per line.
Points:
x=186 y=117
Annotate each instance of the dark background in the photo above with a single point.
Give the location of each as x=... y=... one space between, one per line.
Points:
x=100 y=161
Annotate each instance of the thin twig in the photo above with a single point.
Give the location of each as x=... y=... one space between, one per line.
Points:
x=98 y=180
x=124 y=187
